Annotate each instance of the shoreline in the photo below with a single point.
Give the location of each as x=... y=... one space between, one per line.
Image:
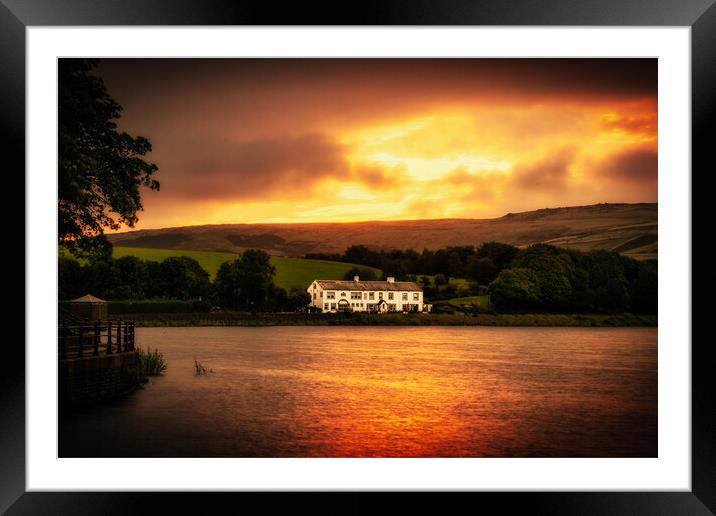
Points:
x=357 y=319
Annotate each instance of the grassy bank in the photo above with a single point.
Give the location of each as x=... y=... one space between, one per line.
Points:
x=355 y=319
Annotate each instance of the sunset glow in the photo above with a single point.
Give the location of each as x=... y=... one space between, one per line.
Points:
x=347 y=140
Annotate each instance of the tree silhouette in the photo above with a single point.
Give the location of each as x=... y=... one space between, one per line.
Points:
x=363 y=273
x=100 y=168
x=247 y=283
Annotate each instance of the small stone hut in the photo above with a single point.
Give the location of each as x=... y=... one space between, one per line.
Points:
x=89 y=307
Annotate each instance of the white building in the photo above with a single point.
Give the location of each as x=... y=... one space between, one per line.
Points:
x=367 y=296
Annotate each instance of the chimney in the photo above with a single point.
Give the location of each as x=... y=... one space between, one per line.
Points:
x=356 y=279
x=391 y=279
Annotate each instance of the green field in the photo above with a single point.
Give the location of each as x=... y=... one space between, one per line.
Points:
x=299 y=272
x=290 y=272
x=208 y=260
x=470 y=300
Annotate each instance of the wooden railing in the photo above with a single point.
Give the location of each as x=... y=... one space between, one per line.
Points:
x=79 y=340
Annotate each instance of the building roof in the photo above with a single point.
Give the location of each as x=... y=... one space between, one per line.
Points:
x=88 y=298
x=369 y=285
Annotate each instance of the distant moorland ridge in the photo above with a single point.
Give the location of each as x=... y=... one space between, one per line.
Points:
x=630 y=229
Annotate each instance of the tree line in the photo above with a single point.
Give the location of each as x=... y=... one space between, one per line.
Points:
x=540 y=277
x=480 y=264
x=246 y=283
x=547 y=278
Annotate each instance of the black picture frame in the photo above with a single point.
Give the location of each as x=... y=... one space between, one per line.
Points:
x=16 y=15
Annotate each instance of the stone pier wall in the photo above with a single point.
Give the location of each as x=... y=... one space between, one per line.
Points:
x=91 y=379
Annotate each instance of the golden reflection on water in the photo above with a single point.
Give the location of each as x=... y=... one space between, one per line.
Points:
x=393 y=392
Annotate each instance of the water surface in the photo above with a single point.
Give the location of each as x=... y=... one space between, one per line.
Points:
x=384 y=392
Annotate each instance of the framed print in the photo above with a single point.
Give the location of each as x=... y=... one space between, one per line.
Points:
x=412 y=251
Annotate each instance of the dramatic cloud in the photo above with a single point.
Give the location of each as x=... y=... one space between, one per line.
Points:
x=289 y=140
x=477 y=186
x=254 y=169
x=548 y=173
x=634 y=165
x=374 y=176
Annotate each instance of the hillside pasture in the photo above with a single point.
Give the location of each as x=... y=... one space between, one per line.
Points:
x=210 y=261
x=290 y=272
x=631 y=228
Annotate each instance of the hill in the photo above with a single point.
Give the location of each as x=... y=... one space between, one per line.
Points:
x=631 y=229
x=290 y=272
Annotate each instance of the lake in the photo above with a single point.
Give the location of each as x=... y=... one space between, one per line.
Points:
x=312 y=391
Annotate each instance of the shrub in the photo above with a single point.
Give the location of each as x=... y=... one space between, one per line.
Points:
x=199 y=369
x=151 y=363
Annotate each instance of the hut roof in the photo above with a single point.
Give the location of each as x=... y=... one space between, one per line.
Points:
x=88 y=298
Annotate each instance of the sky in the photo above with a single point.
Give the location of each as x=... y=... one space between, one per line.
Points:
x=339 y=140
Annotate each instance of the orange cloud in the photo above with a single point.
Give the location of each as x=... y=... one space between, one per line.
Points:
x=639 y=165
x=475 y=186
x=376 y=176
x=646 y=124
x=550 y=172
x=254 y=169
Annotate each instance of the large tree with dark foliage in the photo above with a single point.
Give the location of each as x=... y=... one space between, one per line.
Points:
x=515 y=290
x=552 y=267
x=182 y=277
x=500 y=254
x=226 y=286
x=247 y=282
x=71 y=278
x=481 y=270
x=100 y=168
x=133 y=277
x=608 y=281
